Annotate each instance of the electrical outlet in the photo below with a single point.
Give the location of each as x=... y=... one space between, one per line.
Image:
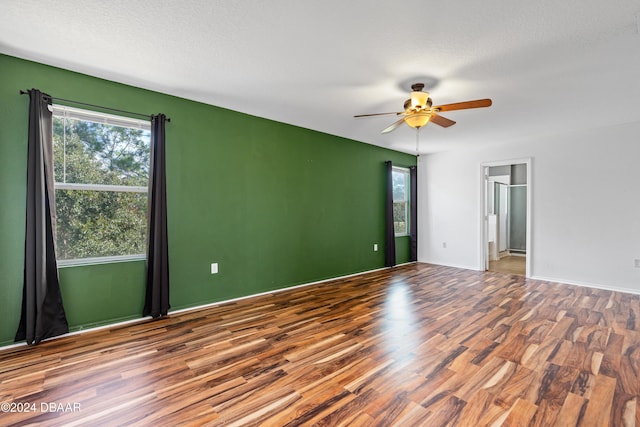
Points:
x=375 y=247
x=214 y=268
x=444 y=245
x=636 y=263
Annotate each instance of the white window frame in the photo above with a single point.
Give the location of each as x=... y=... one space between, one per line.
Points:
x=63 y=111
x=406 y=200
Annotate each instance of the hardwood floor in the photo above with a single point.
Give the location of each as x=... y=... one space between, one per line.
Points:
x=509 y=265
x=414 y=345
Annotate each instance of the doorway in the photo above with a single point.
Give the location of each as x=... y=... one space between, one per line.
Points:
x=506 y=217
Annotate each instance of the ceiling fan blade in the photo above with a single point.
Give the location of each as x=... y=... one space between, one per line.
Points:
x=441 y=121
x=377 y=114
x=393 y=126
x=479 y=103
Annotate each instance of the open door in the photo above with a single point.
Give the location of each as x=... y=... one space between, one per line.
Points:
x=506 y=216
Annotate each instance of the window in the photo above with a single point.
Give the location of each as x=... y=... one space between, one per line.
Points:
x=400 y=201
x=101 y=173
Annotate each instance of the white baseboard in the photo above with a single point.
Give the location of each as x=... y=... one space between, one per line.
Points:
x=274 y=291
x=588 y=285
x=187 y=309
x=463 y=267
x=553 y=279
x=82 y=331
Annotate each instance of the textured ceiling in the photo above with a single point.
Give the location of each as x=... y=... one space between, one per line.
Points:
x=549 y=66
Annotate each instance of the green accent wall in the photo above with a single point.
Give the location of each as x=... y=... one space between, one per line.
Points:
x=274 y=205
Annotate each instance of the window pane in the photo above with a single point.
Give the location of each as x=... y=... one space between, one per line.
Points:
x=100 y=223
x=95 y=153
x=399 y=186
x=98 y=150
x=400 y=217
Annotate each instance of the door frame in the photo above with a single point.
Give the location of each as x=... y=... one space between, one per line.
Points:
x=483 y=262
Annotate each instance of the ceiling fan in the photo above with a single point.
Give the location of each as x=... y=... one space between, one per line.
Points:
x=419 y=110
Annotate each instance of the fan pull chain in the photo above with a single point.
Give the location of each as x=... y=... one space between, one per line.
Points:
x=417 y=141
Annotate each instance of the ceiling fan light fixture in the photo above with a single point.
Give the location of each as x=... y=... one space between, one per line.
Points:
x=419 y=110
x=419 y=99
x=417 y=120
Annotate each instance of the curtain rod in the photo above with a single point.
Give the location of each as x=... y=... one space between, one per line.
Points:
x=22 y=92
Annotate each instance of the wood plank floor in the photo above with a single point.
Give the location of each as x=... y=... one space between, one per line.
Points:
x=509 y=265
x=417 y=345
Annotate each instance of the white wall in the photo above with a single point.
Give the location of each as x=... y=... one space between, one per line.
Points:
x=585 y=206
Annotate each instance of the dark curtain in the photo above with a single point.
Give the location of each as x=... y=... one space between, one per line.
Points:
x=389 y=234
x=157 y=290
x=413 y=213
x=43 y=314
